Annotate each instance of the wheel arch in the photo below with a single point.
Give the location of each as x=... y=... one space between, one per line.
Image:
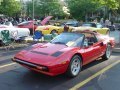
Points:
x=78 y=55
x=68 y=71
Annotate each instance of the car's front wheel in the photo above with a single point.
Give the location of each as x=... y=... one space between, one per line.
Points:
x=74 y=66
x=107 y=54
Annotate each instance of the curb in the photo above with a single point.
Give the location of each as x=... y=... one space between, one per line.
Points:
x=116 y=50
x=15 y=46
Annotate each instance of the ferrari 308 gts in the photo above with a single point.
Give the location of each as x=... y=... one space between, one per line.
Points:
x=66 y=53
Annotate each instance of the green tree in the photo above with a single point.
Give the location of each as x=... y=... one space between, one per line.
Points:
x=111 y=4
x=44 y=7
x=108 y=7
x=81 y=8
x=10 y=7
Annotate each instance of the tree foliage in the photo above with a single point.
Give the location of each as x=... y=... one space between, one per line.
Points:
x=44 y=7
x=79 y=8
x=111 y=4
x=10 y=7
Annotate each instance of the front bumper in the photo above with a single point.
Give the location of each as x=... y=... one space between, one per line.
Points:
x=40 y=68
x=30 y=65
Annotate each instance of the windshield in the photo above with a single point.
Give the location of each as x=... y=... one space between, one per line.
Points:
x=68 y=39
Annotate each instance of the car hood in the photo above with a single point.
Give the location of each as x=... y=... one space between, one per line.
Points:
x=45 y=20
x=49 y=48
x=42 y=54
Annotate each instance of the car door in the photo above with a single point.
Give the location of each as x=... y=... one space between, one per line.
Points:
x=87 y=54
x=92 y=50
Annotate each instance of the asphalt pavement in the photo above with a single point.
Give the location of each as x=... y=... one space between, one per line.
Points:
x=15 y=77
x=116 y=35
x=109 y=80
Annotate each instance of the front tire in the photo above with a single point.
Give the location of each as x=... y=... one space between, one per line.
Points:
x=107 y=54
x=75 y=66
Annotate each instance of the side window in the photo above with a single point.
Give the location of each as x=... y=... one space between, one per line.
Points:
x=85 y=43
x=90 y=38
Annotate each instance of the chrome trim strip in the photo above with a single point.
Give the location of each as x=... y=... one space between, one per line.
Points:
x=26 y=63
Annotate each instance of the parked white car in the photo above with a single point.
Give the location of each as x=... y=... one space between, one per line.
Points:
x=21 y=32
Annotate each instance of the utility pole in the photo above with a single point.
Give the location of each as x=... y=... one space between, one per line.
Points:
x=1 y=1
x=33 y=16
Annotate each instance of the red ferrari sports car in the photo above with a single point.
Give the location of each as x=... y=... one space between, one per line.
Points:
x=66 y=53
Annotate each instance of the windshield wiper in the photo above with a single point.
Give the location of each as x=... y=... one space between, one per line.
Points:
x=60 y=43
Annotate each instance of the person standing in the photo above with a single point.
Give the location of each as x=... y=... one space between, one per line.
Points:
x=66 y=28
x=107 y=22
x=95 y=21
x=102 y=21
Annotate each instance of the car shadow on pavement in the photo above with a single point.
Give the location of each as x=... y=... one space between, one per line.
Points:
x=45 y=82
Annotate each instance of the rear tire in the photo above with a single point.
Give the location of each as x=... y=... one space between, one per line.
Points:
x=75 y=66
x=107 y=54
x=53 y=31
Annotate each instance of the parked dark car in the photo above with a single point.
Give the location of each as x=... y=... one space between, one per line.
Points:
x=73 y=23
x=117 y=26
x=111 y=27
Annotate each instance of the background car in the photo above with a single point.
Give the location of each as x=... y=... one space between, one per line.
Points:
x=50 y=29
x=98 y=25
x=112 y=27
x=66 y=53
x=72 y=23
x=93 y=27
x=91 y=24
x=32 y=25
x=6 y=24
x=21 y=32
x=117 y=26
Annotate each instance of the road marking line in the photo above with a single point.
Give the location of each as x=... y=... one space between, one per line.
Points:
x=77 y=86
x=7 y=65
